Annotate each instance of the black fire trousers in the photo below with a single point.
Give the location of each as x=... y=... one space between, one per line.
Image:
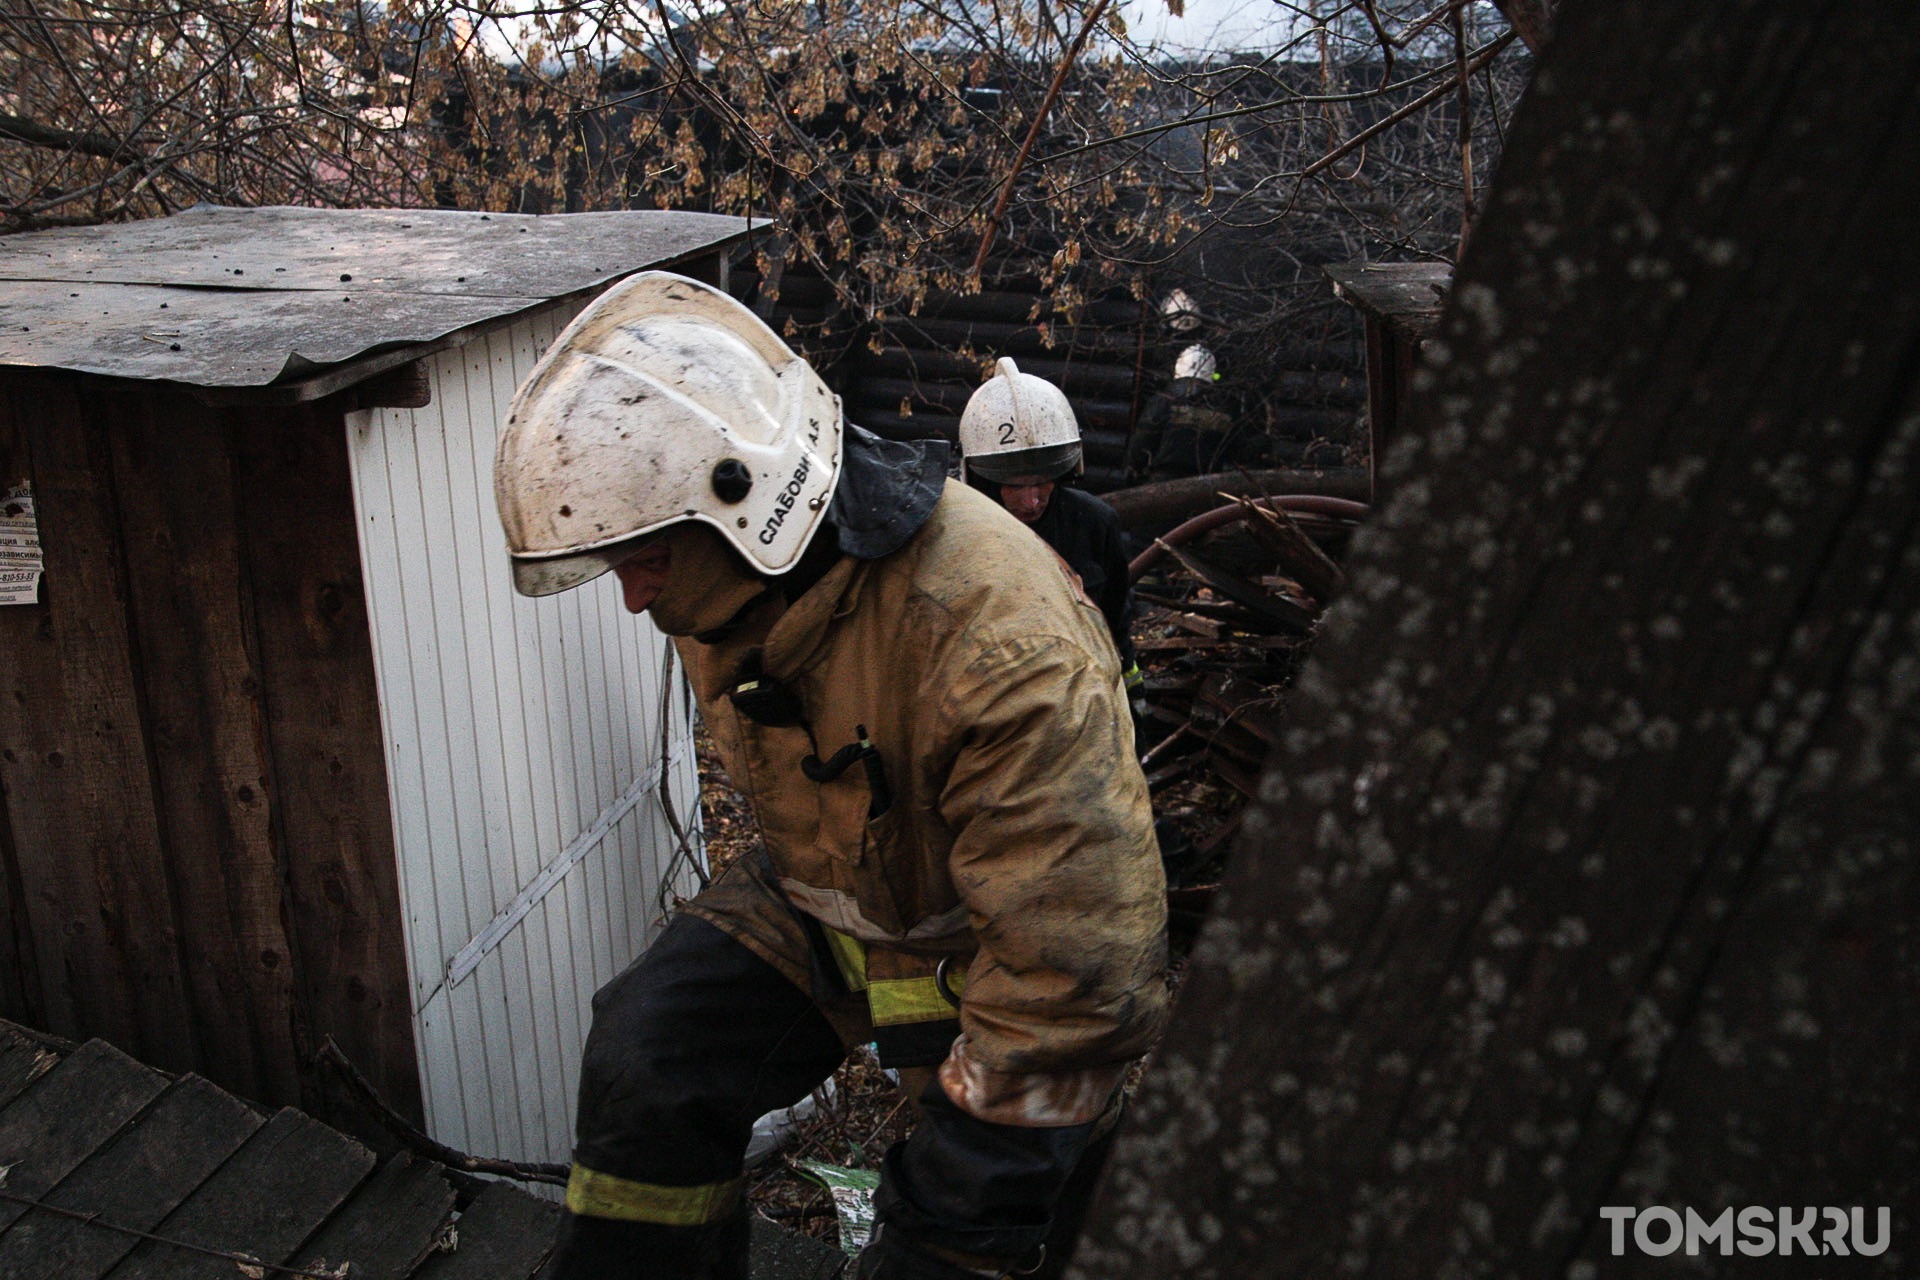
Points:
x=692 y=1043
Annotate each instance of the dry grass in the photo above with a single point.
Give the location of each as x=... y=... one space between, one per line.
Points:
x=853 y=1126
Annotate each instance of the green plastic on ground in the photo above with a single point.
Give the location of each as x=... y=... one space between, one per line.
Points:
x=852 y=1191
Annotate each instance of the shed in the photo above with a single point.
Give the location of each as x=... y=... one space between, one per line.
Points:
x=282 y=755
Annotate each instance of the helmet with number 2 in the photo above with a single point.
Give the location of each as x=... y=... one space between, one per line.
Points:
x=1017 y=425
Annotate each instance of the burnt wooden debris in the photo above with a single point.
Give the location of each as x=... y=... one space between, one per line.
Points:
x=926 y=366
x=1227 y=607
x=1584 y=871
x=1149 y=509
x=909 y=377
x=109 y=1168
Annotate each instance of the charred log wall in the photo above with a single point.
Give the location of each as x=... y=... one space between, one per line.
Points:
x=910 y=376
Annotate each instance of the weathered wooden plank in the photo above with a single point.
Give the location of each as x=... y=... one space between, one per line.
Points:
x=19 y=980
x=19 y=974
x=19 y=988
x=21 y=1063
x=74 y=763
x=389 y=1226
x=302 y=556
x=265 y=1201
x=133 y=1181
x=1404 y=293
x=1382 y=392
x=505 y=1234
x=68 y=1114
x=186 y=597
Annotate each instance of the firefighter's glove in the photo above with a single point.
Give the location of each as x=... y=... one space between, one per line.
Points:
x=894 y=1255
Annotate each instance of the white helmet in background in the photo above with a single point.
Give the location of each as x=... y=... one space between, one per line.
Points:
x=1180 y=312
x=664 y=401
x=1196 y=362
x=1018 y=425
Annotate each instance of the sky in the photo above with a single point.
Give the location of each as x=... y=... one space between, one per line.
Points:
x=1205 y=27
x=1239 y=26
x=1208 y=25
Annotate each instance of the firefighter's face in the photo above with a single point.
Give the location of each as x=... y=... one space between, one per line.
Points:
x=644 y=575
x=1026 y=497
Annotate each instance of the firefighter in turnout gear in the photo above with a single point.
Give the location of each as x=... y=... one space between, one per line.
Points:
x=1186 y=429
x=1019 y=444
x=929 y=722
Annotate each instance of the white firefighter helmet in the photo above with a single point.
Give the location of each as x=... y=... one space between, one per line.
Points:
x=664 y=401
x=1196 y=362
x=1018 y=425
x=1180 y=312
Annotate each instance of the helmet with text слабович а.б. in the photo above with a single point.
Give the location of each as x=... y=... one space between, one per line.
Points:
x=664 y=401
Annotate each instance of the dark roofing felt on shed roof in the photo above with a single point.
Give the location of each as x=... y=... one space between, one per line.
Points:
x=248 y=298
x=114 y=1168
x=111 y=1169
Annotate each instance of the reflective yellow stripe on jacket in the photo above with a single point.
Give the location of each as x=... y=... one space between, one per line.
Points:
x=902 y=1000
x=593 y=1194
x=893 y=1002
x=850 y=954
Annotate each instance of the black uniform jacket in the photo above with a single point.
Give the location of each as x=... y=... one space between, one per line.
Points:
x=1086 y=533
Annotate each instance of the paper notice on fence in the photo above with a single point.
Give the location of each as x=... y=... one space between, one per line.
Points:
x=19 y=547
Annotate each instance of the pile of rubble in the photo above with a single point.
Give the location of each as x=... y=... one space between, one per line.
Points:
x=1227 y=604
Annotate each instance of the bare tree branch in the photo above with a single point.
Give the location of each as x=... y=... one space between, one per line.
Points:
x=33 y=133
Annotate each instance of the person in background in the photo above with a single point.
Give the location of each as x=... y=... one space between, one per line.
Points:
x=1185 y=430
x=1019 y=442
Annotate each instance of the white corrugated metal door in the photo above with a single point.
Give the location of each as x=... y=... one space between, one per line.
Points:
x=526 y=741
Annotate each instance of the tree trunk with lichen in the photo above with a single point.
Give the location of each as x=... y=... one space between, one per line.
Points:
x=1586 y=875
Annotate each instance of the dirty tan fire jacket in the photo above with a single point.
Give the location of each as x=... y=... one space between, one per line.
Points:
x=1019 y=839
